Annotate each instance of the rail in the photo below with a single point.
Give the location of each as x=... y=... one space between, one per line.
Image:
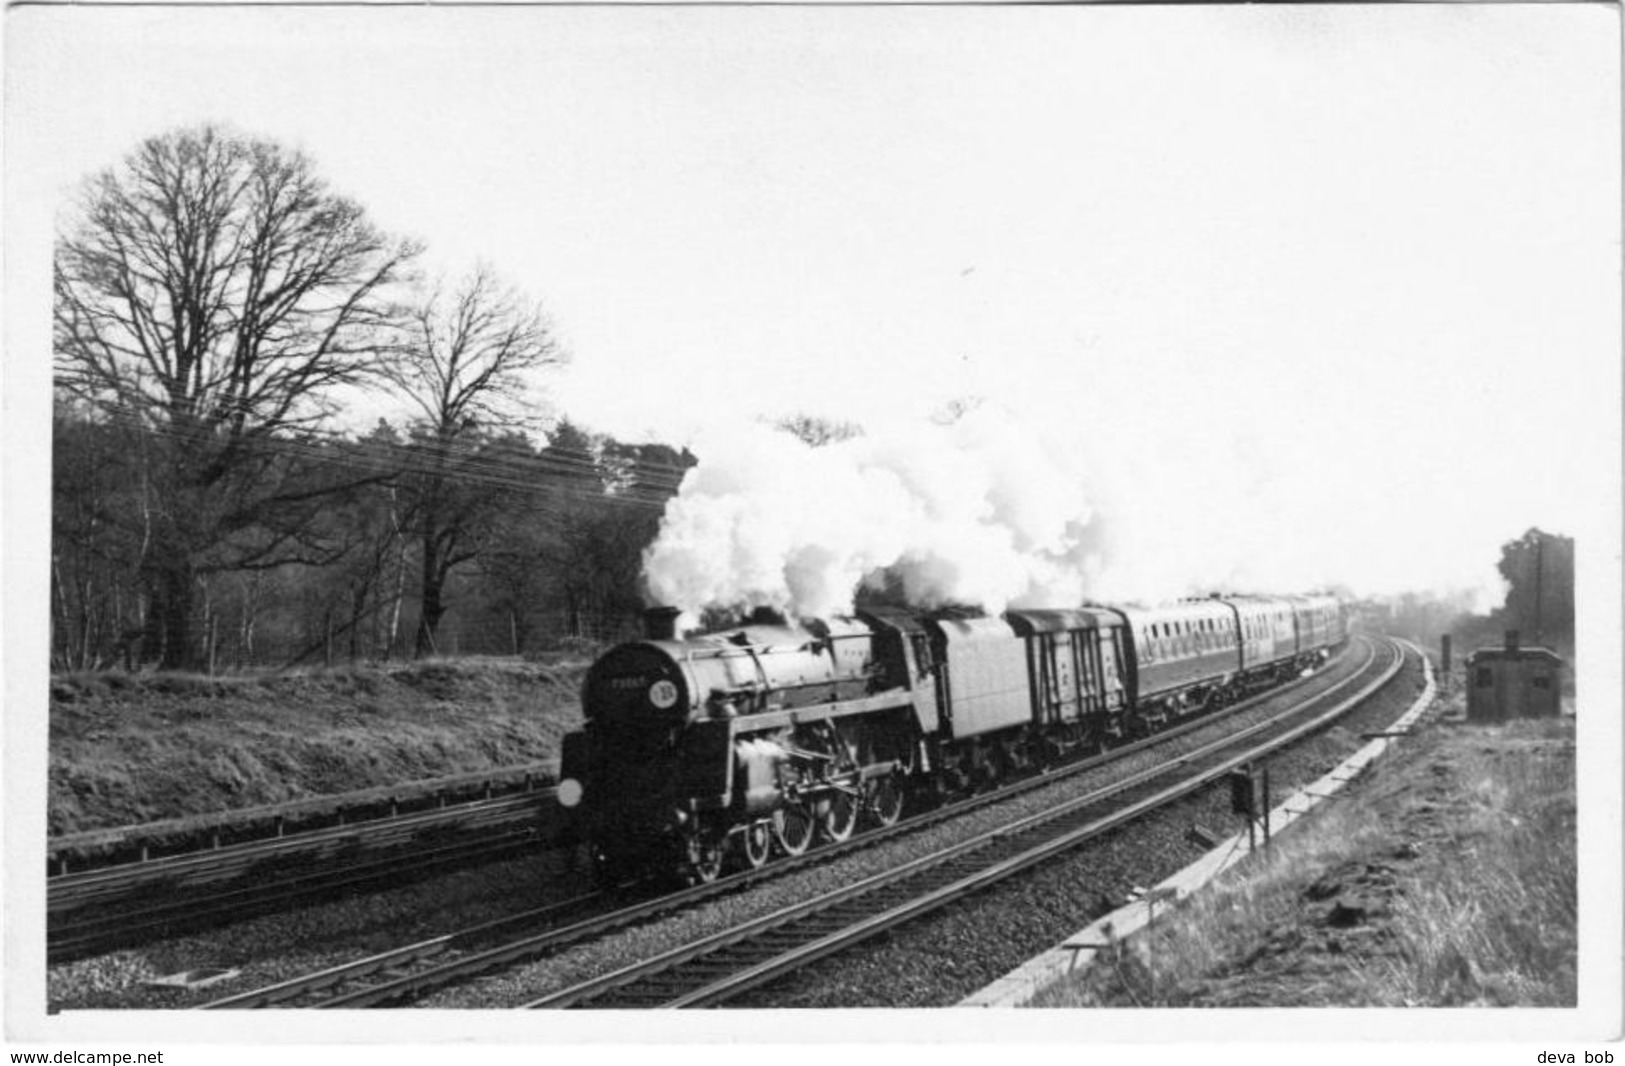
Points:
x=121 y=905
x=413 y=970
x=349 y=808
x=721 y=966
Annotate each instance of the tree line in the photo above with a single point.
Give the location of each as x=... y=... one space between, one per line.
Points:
x=1538 y=568
x=215 y=303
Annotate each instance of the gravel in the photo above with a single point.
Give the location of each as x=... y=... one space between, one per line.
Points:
x=277 y=947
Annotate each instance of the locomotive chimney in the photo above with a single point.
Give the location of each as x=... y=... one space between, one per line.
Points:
x=766 y=616
x=660 y=623
x=1512 y=642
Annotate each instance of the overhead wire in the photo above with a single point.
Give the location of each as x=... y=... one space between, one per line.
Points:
x=622 y=479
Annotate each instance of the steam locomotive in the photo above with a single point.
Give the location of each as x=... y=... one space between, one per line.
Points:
x=725 y=748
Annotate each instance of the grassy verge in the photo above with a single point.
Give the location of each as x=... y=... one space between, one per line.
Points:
x=1445 y=878
x=127 y=749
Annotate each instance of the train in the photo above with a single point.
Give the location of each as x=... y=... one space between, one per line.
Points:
x=720 y=750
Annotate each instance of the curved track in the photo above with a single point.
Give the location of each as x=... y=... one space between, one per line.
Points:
x=718 y=967
x=411 y=971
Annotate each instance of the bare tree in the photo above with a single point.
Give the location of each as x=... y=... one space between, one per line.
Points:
x=469 y=366
x=214 y=291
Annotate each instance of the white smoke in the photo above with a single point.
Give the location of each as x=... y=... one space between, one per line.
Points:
x=978 y=512
x=1117 y=505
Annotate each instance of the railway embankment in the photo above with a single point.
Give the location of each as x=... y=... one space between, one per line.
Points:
x=138 y=748
x=1444 y=876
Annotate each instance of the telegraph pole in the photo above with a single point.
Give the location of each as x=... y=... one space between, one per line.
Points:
x=1540 y=547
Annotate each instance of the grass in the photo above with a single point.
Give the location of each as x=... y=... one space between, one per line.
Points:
x=1446 y=878
x=1497 y=927
x=127 y=749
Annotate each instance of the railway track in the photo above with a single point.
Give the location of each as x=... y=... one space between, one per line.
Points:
x=101 y=909
x=133 y=845
x=412 y=971
x=716 y=968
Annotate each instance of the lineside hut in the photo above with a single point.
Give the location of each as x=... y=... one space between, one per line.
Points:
x=1513 y=682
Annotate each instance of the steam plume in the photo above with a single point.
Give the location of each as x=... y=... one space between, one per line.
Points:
x=997 y=512
x=976 y=512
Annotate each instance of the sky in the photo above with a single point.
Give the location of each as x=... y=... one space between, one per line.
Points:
x=1255 y=265
x=1296 y=294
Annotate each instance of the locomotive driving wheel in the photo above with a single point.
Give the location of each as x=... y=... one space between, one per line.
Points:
x=793 y=826
x=755 y=842
x=885 y=795
x=838 y=815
